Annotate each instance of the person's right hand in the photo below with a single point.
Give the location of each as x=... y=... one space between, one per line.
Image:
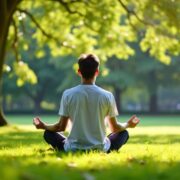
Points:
x=133 y=121
x=38 y=123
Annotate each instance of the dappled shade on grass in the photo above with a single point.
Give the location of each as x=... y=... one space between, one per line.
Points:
x=15 y=139
x=154 y=139
x=24 y=155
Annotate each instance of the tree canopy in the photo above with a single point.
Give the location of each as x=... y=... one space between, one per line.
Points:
x=104 y=27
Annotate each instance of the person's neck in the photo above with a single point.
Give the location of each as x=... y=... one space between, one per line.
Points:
x=88 y=81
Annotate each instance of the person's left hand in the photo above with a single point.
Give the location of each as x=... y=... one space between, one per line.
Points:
x=38 y=123
x=133 y=121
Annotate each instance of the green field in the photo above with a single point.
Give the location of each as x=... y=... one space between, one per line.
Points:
x=165 y=120
x=151 y=153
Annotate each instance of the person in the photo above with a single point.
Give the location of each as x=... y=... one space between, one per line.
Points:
x=87 y=106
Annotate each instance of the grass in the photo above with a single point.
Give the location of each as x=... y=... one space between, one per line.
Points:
x=165 y=120
x=152 y=152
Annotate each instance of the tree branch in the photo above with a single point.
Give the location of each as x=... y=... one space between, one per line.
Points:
x=131 y=24
x=23 y=27
x=29 y=93
x=41 y=29
x=68 y=9
x=131 y=12
x=15 y=42
x=36 y=23
x=148 y=23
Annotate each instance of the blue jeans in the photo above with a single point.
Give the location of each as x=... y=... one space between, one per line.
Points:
x=56 y=140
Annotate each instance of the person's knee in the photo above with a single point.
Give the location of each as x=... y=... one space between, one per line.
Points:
x=126 y=135
x=46 y=135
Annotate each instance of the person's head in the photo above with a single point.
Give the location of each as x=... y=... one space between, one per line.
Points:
x=88 y=66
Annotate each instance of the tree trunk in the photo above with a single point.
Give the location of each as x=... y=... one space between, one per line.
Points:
x=153 y=87
x=153 y=103
x=3 y=121
x=118 y=98
x=4 y=103
x=7 y=9
x=3 y=38
x=37 y=97
x=37 y=106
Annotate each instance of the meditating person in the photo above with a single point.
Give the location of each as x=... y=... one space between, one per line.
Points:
x=87 y=106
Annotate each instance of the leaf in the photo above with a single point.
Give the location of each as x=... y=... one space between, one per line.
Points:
x=24 y=73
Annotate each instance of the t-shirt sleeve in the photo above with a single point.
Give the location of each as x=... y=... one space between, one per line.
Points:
x=63 y=110
x=112 y=110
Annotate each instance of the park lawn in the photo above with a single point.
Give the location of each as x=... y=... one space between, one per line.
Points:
x=153 y=120
x=152 y=152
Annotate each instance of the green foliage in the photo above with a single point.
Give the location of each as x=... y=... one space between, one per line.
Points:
x=6 y=68
x=104 y=27
x=24 y=73
x=158 y=44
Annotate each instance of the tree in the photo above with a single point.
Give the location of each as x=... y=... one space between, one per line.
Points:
x=104 y=27
x=7 y=9
x=120 y=75
x=49 y=78
x=151 y=74
x=147 y=74
x=146 y=70
x=169 y=80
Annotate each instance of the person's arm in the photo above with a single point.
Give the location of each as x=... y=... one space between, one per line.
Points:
x=118 y=127
x=57 y=127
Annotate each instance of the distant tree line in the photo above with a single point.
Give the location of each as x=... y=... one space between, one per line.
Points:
x=138 y=84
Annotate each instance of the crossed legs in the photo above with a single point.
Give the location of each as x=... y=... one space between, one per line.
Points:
x=118 y=139
x=56 y=140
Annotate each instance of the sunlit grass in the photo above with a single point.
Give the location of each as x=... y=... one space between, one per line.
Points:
x=151 y=153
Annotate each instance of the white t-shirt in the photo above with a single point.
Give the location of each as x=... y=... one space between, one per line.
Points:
x=87 y=106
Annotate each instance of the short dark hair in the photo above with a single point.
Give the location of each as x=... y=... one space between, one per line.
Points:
x=88 y=64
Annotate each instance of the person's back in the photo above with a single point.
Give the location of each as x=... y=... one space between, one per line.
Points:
x=87 y=106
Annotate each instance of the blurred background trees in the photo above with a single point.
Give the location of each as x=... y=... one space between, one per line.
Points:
x=42 y=40
x=140 y=84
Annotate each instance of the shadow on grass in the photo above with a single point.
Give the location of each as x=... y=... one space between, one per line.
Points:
x=13 y=139
x=101 y=168
x=28 y=138
x=44 y=164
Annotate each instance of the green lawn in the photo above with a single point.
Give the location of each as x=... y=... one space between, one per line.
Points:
x=165 y=120
x=152 y=152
